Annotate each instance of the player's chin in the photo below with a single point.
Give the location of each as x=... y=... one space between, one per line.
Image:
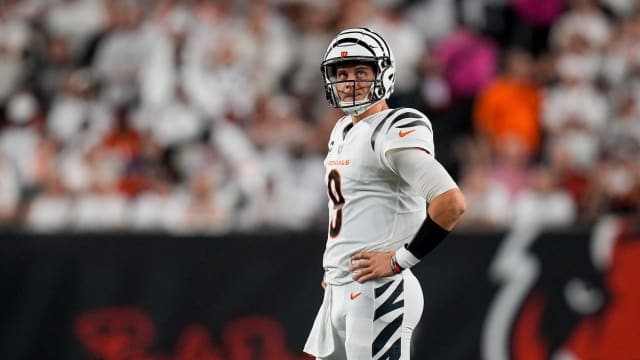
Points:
x=351 y=99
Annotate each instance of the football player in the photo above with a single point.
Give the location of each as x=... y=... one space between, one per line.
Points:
x=390 y=203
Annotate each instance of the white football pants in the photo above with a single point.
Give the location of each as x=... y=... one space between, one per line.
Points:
x=370 y=321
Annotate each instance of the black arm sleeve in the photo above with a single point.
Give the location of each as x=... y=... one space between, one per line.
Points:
x=427 y=238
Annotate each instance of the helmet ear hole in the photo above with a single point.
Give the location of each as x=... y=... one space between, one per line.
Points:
x=378 y=92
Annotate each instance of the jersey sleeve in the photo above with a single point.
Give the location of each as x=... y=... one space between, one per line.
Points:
x=403 y=128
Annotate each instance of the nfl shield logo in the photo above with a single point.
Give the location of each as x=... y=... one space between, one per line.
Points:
x=344 y=53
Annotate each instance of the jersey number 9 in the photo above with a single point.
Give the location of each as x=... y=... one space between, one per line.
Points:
x=334 y=184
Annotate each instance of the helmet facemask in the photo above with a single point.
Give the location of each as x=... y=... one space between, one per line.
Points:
x=356 y=98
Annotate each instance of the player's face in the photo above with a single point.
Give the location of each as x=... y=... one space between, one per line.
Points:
x=354 y=82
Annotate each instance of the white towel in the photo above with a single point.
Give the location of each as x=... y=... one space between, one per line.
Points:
x=320 y=341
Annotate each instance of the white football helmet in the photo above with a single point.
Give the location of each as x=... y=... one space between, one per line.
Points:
x=359 y=45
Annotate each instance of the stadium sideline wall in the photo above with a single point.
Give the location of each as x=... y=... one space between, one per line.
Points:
x=491 y=296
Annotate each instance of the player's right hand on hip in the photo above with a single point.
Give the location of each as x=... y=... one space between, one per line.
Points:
x=371 y=265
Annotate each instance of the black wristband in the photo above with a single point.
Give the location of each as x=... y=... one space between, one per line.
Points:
x=428 y=237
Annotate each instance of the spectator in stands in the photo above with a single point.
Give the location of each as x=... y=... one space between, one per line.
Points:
x=468 y=59
x=100 y=205
x=621 y=59
x=217 y=73
x=489 y=202
x=9 y=191
x=50 y=210
x=125 y=144
x=539 y=13
x=77 y=117
x=614 y=187
x=78 y=22
x=201 y=211
x=620 y=8
x=122 y=140
x=121 y=54
x=510 y=165
x=159 y=206
x=573 y=180
x=268 y=36
x=510 y=105
x=21 y=136
x=543 y=204
x=247 y=186
x=277 y=123
x=53 y=67
x=44 y=163
x=165 y=31
x=574 y=110
x=433 y=19
x=15 y=36
x=295 y=194
x=533 y=21
x=623 y=133
x=172 y=122
x=615 y=183
x=584 y=18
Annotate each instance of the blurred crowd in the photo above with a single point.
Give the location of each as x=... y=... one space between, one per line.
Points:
x=208 y=116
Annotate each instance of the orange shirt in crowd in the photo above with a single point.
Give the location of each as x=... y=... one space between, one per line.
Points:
x=126 y=143
x=508 y=108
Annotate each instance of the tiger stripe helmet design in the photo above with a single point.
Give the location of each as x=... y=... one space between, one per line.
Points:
x=359 y=45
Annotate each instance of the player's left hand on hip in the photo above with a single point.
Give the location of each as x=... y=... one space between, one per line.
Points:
x=371 y=265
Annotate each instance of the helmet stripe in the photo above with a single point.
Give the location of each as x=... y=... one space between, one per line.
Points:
x=355 y=41
x=369 y=33
x=374 y=35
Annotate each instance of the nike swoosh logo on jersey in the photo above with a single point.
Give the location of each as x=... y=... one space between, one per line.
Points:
x=353 y=296
x=405 y=133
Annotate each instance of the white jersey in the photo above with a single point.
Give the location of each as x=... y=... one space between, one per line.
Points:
x=370 y=207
